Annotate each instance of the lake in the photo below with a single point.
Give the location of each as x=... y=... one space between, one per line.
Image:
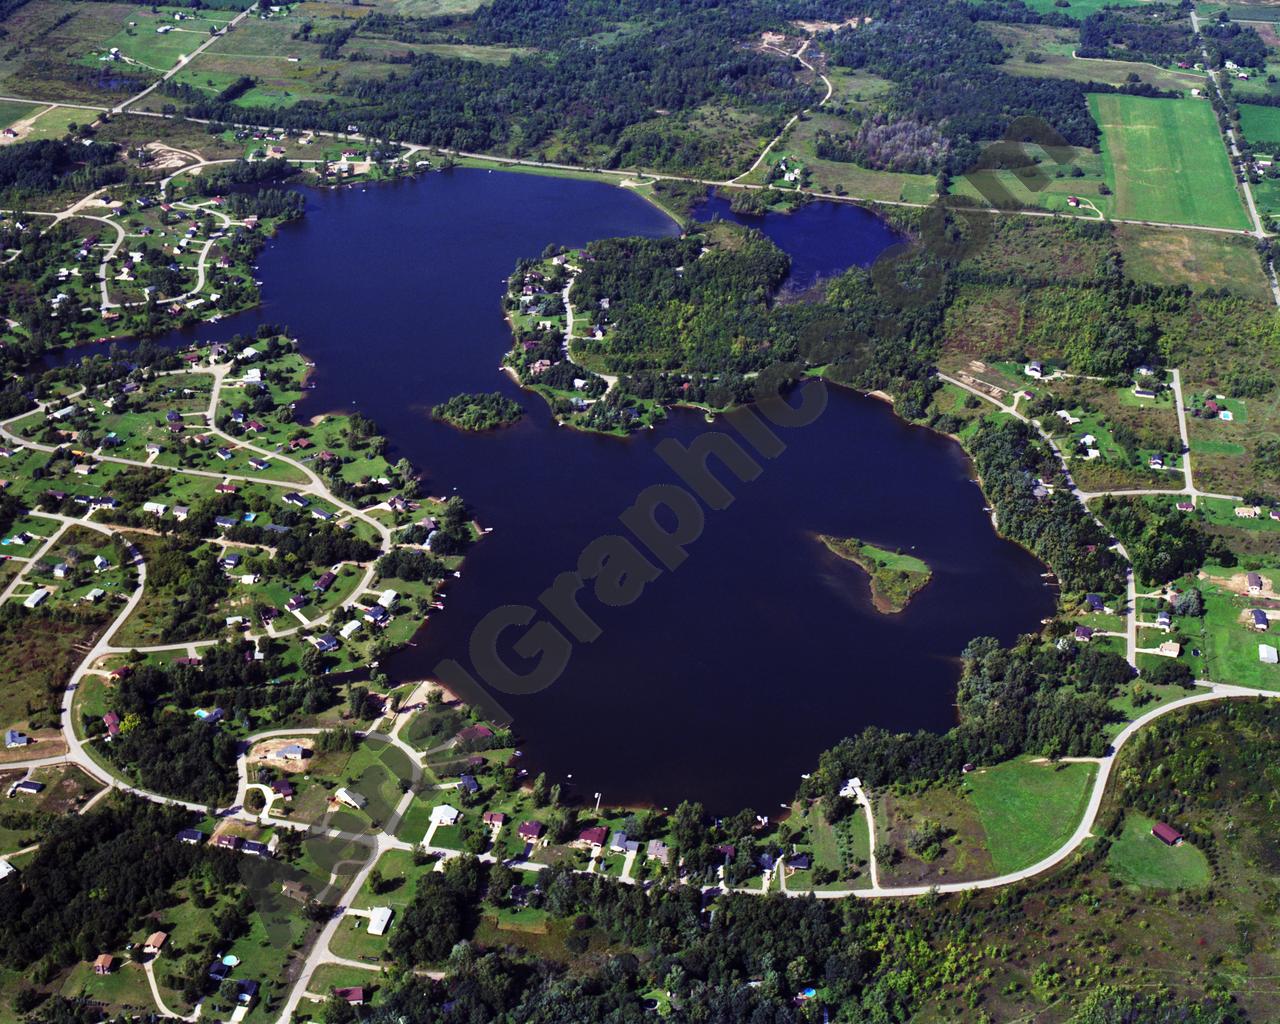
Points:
x=729 y=675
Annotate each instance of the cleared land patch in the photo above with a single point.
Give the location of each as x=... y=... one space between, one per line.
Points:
x=1165 y=161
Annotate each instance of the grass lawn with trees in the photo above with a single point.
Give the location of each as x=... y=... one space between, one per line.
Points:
x=1139 y=858
x=1166 y=161
x=1029 y=809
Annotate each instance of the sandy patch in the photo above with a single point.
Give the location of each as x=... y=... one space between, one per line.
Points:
x=265 y=754
x=1239 y=584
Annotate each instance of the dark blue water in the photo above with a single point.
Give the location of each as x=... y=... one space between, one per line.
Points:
x=729 y=675
x=822 y=239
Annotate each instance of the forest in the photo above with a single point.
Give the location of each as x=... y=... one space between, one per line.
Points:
x=483 y=411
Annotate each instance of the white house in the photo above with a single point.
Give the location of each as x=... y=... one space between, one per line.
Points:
x=350 y=798
x=443 y=814
x=379 y=919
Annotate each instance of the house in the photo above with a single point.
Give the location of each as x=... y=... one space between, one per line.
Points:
x=1145 y=371
x=1084 y=634
x=295 y=602
x=1185 y=506
x=283 y=788
x=104 y=964
x=377 y=614
x=353 y=996
x=350 y=798
x=225 y=522
x=296 y=499
x=443 y=814
x=1035 y=369
x=494 y=818
x=659 y=851
x=1255 y=583
x=619 y=843
x=29 y=786
x=100 y=563
x=1248 y=512
x=219 y=972
x=325 y=643
x=226 y=841
x=223 y=453
x=468 y=783
x=299 y=891
x=1094 y=602
x=13 y=738
x=1167 y=834
x=324 y=582
x=1260 y=621
x=593 y=836
x=474 y=734
x=36 y=598
x=1156 y=461
x=530 y=831
x=387 y=599
x=1143 y=393
x=225 y=488
x=1164 y=620
x=1169 y=649
x=112 y=721
x=322 y=515
x=231 y=561
x=800 y=862
x=191 y=836
x=1267 y=654
x=255 y=848
x=155 y=942
x=246 y=992
x=259 y=464
x=379 y=919
x=350 y=628
x=293 y=752
x=155 y=508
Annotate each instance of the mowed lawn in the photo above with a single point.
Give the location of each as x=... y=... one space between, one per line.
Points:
x=1139 y=858
x=1029 y=809
x=1166 y=161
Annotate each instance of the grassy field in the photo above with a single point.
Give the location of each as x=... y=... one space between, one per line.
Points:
x=13 y=110
x=1079 y=8
x=1028 y=810
x=1139 y=858
x=1165 y=161
x=895 y=577
x=1198 y=259
x=850 y=179
x=1260 y=124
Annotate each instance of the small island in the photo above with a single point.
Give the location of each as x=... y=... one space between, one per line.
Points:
x=484 y=411
x=895 y=578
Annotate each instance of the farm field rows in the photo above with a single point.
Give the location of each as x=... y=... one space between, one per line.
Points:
x=1165 y=161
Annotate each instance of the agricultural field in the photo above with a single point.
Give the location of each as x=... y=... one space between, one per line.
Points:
x=1198 y=259
x=1048 y=185
x=1165 y=161
x=1260 y=125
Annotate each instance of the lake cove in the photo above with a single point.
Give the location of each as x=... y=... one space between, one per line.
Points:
x=730 y=673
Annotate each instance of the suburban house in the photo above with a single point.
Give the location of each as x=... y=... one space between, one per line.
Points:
x=191 y=836
x=353 y=996
x=1255 y=583
x=295 y=602
x=283 y=788
x=104 y=963
x=29 y=786
x=1094 y=602
x=659 y=851
x=530 y=830
x=325 y=643
x=1268 y=655
x=494 y=818
x=112 y=721
x=1084 y=634
x=1260 y=621
x=1167 y=834
x=1164 y=620
x=1156 y=461
x=350 y=798
x=379 y=919
x=469 y=784
x=293 y=752
x=155 y=942
x=324 y=582
x=619 y=843
x=1248 y=511
x=593 y=836
x=1035 y=369
x=443 y=814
